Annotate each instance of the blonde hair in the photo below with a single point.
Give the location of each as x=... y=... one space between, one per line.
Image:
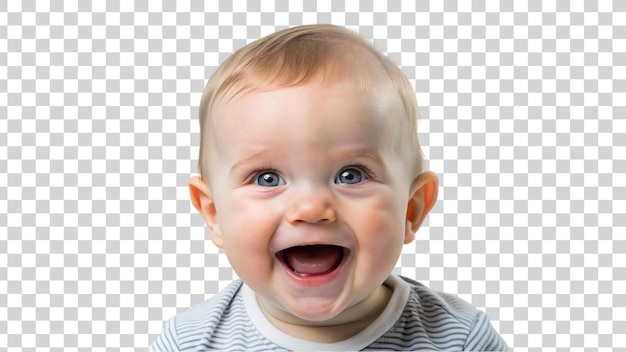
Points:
x=296 y=56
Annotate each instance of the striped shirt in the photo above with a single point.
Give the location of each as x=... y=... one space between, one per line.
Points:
x=415 y=318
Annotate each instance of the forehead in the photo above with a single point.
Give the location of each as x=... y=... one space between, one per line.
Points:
x=382 y=106
x=311 y=123
x=304 y=109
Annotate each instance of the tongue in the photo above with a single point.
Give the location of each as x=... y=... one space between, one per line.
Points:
x=313 y=260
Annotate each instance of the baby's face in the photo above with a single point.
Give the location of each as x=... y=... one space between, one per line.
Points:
x=310 y=196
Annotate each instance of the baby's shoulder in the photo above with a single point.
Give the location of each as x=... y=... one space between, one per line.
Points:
x=448 y=321
x=431 y=307
x=196 y=327
x=213 y=308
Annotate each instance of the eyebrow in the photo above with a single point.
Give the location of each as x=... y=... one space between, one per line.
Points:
x=240 y=163
x=349 y=153
x=365 y=154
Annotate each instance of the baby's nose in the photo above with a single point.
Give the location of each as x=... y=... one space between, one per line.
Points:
x=312 y=206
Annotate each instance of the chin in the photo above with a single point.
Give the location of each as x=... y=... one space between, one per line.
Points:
x=316 y=311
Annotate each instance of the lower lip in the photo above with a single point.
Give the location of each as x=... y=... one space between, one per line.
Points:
x=317 y=280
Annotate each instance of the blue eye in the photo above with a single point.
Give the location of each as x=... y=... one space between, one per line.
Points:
x=350 y=176
x=269 y=179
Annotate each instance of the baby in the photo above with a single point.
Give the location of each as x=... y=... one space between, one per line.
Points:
x=311 y=181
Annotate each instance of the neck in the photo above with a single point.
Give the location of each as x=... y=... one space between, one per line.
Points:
x=350 y=322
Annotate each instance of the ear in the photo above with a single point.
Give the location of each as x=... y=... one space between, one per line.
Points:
x=423 y=195
x=203 y=202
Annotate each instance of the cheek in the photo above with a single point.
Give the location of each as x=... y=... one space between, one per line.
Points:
x=237 y=212
x=382 y=227
x=386 y=213
x=246 y=231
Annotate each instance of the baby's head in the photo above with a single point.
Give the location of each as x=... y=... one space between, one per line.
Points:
x=310 y=173
x=324 y=54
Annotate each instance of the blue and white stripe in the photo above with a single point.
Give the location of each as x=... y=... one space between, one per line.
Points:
x=427 y=320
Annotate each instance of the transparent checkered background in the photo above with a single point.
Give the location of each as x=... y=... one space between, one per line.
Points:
x=523 y=117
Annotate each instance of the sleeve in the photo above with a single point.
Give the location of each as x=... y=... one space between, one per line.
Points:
x=483 y=337
x=168 y=339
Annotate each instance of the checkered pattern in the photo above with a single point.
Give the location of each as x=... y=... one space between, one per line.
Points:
x=523 y=116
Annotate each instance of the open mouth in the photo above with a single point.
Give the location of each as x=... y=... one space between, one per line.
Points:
x=313 y=260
